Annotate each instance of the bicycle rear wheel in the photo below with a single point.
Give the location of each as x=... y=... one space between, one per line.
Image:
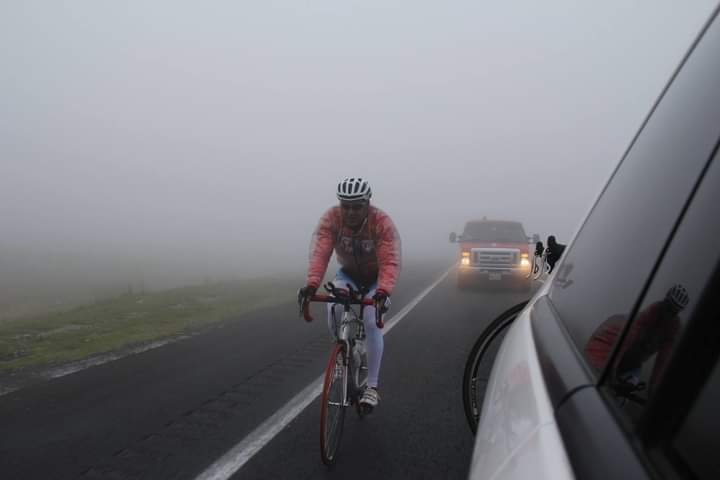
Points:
x=480 y=361
x=332 y=404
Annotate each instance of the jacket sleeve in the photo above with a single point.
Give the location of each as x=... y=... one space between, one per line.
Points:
x=321 y=247
x=388 y=253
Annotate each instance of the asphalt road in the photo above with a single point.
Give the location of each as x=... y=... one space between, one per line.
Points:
x=173 y=411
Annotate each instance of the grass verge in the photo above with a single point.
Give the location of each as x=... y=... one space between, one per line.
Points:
x=62 y=337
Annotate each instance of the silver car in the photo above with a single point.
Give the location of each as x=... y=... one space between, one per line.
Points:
x=612 y=369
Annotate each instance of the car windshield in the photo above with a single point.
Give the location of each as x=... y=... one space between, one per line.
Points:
x=494 y=232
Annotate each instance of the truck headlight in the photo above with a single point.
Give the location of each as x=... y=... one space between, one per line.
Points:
x=465 y=261
x=525 y=263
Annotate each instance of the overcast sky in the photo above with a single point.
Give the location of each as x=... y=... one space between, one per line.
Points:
x=211 y=135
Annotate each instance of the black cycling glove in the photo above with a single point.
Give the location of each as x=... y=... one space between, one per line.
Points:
x=306 y=292
x=380 y=299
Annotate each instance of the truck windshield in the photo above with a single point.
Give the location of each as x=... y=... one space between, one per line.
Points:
x=494 y=232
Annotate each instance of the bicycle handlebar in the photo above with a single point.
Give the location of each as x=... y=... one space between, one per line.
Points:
x=305 y=305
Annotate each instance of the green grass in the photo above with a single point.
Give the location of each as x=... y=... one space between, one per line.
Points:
x=131 y=319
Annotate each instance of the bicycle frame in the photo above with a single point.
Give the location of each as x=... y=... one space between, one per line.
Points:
x=349 y=331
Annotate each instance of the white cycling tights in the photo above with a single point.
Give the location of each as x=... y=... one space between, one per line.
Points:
x=373 y=335
x=373 y=341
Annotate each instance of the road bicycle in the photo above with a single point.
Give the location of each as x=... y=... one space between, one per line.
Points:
x=346 y=372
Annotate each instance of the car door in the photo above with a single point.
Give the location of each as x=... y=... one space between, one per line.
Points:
x=607 y=275
x=668 y=428
x=610 y=261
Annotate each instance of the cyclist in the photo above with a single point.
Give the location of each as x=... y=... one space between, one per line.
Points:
x=653 y=331
x=555 y=251
x=367 y=247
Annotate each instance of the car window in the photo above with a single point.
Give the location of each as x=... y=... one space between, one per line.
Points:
x=609 y=263
x=494 y=232
x=671 y=299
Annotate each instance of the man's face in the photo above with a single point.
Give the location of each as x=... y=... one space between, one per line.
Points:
x=353 y=213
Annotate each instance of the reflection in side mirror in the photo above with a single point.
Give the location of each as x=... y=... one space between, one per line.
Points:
x=453 y=237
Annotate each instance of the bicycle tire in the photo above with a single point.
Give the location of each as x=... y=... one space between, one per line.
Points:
x=472 y=402
x=331 y=425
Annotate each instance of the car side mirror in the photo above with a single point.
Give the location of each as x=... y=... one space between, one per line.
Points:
x=453 y=237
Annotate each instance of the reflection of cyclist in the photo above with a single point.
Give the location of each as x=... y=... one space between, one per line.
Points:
x=653 y=331
x=367 y=247
x=555 y=251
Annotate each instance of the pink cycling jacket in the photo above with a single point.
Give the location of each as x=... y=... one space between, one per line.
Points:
x=653 y=330
x=369 y=255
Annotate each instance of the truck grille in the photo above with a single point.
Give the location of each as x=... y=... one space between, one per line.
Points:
x=495 y=258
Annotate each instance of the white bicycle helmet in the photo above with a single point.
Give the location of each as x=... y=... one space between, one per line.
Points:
x=678 y=297
x=351 y=189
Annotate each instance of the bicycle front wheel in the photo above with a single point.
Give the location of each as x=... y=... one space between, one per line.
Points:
x=480 y=361
x=332 y=404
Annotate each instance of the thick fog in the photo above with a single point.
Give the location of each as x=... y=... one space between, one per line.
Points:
x=166 y=142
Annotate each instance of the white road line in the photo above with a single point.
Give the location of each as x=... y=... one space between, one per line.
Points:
x=237 y=456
